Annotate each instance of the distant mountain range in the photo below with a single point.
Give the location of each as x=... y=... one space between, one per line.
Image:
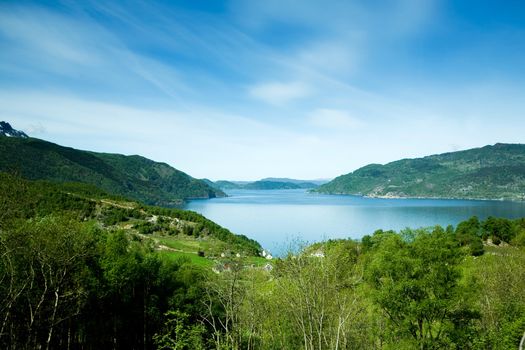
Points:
x=266 y=184
x=278 y=185
x=134 y=176
x=316 y=182
x=490 y=172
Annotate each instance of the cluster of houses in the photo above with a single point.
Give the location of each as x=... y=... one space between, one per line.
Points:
x=227 y=266
x=266 y=255
x=227 y=255
x=317 y=254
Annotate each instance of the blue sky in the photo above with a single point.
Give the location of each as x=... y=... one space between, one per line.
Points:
x=248 y=89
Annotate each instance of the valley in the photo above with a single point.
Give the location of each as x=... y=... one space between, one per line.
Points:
x=106 y=258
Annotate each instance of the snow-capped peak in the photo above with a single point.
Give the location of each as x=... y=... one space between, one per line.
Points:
x=7 y=130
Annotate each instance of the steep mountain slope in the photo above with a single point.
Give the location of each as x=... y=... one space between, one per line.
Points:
x=132 y=176
x=490 y=172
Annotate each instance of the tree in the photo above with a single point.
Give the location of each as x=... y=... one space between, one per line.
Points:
x=468 y=234
x=179 y=334
x=502 y=297
x=225 y=293
x=313 y=302
x=416 y=284
x=15 y=199
x=499 y=229
x=46 y=260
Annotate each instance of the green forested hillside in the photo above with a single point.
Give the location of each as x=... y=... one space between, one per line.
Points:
x=24 y=199
x=132 y=176
x=490 y=172
x=80 y=268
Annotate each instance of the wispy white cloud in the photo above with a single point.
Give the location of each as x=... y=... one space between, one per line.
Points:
x=278 y=93
x=334 y=119
x=35 y=129
x=259 y=88
x=339 y=58
x=50 y=37
x=49 y=47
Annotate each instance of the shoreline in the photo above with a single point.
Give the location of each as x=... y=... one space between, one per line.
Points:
x=373 y=196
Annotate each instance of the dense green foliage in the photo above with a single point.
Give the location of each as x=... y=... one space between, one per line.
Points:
x=131 y=176
x=78 y=270
x=71 y=284
x=415 y=282
x=73 y=277
x=417 y=289
x=490 y=172
x=411 y=290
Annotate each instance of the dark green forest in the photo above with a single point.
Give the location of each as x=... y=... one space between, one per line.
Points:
x=79 y=270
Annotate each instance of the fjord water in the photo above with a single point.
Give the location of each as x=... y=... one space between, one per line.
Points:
x=277 y=218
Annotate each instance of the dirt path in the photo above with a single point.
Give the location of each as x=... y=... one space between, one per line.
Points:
x=162 y=246
x=118 y=205
x=165 y=247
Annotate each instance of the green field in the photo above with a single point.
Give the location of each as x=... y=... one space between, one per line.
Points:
x=193 y=258
x=184 y=246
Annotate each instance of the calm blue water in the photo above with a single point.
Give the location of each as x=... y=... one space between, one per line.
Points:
x=277 y=218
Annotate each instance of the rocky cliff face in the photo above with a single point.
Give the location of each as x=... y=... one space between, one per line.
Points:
x=7 y=130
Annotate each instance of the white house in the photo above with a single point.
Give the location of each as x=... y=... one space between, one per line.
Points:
x=317 y=254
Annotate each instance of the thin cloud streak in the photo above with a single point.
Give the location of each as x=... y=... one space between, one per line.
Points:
x=336 y=120
x=278 y=93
